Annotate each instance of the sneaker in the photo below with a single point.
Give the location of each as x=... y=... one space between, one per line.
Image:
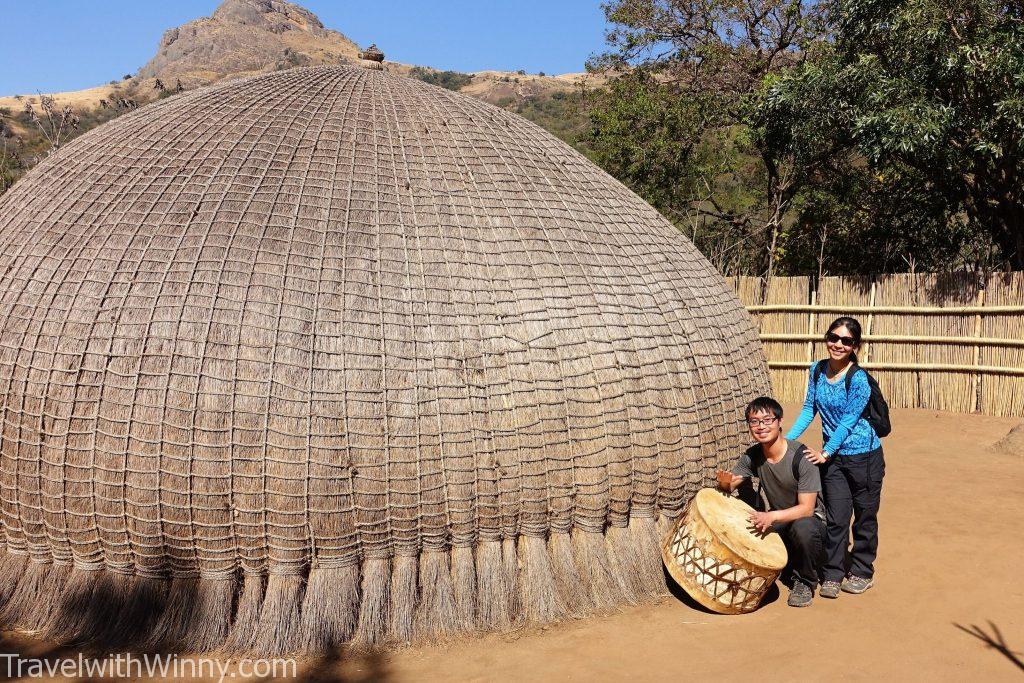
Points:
x=829 y=589
x=801 y=595
x=856 y=585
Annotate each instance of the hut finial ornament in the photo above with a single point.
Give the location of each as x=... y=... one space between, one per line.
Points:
x=372 y=58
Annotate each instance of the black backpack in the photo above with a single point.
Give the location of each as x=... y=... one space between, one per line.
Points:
x=876 y=412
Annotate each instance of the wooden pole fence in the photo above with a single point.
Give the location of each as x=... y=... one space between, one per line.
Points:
x=911 y=367
x=887 y=310
x=901 y=339
x=939 y=341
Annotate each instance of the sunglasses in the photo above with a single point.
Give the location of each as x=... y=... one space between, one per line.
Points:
x=833 y=338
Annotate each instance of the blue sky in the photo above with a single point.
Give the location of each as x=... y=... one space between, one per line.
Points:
x=55 y=45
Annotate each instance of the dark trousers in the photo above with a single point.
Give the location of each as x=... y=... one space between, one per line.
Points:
x=852 y=485
x=805 y=543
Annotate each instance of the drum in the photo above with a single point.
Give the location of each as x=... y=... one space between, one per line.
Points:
x=717 y=555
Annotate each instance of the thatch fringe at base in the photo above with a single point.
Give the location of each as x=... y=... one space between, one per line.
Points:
x=242 y=636
x=330 y=608
x=435 y=614
x=492 y=588
x=498 y=584
x=404 y=574
x=280 y=617
x=196 y=616
x=538 y=591
x=568 y=580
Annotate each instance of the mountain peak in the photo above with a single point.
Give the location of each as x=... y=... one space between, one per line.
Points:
x=275 y=16
x=243 y=37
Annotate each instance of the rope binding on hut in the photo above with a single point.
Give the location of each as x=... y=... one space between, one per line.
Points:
x=332 y=356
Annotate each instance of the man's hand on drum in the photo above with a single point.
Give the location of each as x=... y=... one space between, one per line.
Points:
x=727 y=481
x=762 y=521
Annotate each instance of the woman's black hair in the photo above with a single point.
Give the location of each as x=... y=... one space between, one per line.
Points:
x=853 y=325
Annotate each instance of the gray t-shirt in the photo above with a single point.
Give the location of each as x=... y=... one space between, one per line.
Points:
x=777 y=478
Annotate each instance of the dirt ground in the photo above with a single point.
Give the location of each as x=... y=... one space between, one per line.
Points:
x=948 y=603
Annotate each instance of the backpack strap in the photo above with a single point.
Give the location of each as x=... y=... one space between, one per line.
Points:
x=850 y=373
x=756 y=466
x=796 y=465
x=818 y=369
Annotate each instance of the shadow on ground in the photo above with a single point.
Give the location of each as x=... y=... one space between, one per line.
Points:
x=994 y=640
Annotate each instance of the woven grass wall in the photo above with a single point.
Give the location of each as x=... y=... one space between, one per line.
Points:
x=330 y=355
x=951 y=341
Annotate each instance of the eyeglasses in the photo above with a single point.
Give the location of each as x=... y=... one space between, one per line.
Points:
x=833 y=338
x=763 y=422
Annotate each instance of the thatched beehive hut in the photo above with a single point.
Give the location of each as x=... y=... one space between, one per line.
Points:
x=330 y=355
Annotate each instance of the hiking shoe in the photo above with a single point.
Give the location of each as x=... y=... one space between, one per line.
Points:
x=801 y=595
x=856 y=585
x=829 y=589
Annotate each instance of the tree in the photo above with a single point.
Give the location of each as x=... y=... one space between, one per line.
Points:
x=9 y=158
x=930 y=93
x=56 y=125
x=687 y=77
x=452 y=80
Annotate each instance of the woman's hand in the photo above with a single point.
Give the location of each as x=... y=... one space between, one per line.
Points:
x=762 y=521
x=816 y=457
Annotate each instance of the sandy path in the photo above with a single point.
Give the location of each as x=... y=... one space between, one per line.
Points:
x=951 y=554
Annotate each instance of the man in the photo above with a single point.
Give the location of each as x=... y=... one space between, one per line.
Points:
x=793 y=486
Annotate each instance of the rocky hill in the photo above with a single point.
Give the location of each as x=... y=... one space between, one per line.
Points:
x=247 y=37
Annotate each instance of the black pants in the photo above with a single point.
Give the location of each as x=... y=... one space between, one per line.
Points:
x=852 y=485
x=805 y=543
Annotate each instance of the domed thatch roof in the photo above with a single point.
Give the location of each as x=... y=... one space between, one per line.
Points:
x=331 y=353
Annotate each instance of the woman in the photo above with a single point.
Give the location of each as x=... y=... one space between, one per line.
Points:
x=852 y=464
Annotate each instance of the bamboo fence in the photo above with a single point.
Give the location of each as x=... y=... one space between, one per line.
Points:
x=949 y=341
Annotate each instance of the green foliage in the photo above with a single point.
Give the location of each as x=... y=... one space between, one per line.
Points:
x=843 y=136
x=452 y=80
x=646 y=135
x=930 y=94
x=560 y=113
x=674 y=122
x=10 y=159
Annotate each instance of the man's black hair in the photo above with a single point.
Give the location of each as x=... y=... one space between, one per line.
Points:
x=764 y=404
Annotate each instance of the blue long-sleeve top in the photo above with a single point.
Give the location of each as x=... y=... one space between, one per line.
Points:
x=844 y=430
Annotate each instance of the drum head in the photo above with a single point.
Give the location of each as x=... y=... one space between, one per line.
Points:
x=727 y=517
